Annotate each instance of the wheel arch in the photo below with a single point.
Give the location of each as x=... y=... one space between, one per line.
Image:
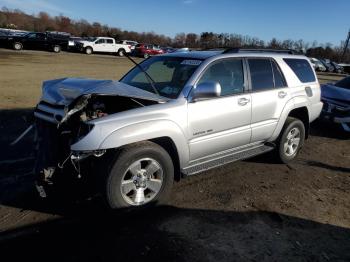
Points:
x=168 y=144
x=86 y=47
x=294 y=108
x=302 y=114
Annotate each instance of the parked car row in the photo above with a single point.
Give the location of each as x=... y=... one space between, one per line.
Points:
x=326 y=65
x=57 y=41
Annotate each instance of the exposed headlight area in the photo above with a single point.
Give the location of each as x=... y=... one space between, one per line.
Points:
x=337 y=112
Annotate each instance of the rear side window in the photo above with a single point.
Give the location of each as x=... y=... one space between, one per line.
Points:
x=278 y=76
x=261 y=74
x=109 y=41
x=302 y=69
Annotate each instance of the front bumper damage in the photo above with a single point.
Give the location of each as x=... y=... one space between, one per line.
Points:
x=55 y=162
x=336 y=112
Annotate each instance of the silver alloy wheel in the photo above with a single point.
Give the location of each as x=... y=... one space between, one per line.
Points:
x=18 y=46
x=142 y=181
x=293 y=141
x=88 y=51
x=56 y=49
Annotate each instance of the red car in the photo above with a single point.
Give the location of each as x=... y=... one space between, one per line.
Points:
x=146 y=50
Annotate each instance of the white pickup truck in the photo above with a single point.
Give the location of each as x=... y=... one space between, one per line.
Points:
x=102 y=45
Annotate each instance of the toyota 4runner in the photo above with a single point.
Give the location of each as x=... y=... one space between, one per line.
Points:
x=171 y=116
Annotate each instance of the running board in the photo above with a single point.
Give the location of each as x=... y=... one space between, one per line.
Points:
x=219 y=161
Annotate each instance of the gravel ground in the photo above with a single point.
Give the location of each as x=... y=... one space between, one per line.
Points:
x=253 y=210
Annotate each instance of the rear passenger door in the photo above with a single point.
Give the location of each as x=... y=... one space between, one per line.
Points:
x=269 y=93
x=110 y=46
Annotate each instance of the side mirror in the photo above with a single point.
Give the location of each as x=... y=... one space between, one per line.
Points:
x=206 y=90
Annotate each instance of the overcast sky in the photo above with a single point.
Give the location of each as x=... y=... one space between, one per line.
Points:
x=322 y=20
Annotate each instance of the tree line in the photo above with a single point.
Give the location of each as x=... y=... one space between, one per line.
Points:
x=16 y=19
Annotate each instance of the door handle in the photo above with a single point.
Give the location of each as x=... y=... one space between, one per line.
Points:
x=243 y=101
x=282 y=94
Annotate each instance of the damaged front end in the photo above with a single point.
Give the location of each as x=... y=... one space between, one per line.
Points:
x=336 y=105
x=63 y=117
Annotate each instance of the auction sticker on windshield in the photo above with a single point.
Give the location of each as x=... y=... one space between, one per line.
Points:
x=191 y=62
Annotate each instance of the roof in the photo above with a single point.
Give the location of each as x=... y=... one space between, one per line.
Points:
x=194 y=54
x=206 y=54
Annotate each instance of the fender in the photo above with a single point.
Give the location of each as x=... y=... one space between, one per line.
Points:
x=135 y=133
x=295 y=102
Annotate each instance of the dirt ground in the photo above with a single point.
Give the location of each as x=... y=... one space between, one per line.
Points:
x=253 y=210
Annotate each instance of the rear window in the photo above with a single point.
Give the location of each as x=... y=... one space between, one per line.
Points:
x=302 y=69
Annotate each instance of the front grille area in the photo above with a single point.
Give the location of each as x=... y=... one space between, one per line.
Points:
x=50 y=112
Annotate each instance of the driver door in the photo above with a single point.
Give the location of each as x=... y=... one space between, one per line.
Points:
x=100 y=45
x=221 y=123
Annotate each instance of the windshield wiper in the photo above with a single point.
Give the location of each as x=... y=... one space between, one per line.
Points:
x=149 y=78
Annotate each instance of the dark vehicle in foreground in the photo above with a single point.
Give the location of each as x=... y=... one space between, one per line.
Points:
x=336 y=102
x=51 y=41
x=147 y=50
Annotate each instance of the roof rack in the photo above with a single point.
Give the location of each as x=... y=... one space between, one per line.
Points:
x=259 y=50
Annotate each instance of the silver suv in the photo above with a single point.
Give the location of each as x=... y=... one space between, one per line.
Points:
x=171 y=116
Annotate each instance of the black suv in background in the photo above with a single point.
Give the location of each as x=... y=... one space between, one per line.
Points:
x=51 y=41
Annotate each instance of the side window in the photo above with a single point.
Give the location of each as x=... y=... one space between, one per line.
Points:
x=229 y=73
x=278 y=76
x=100 y=41
x=32 y=36
x=302 y=69
x=109 y=41
x=261 y=74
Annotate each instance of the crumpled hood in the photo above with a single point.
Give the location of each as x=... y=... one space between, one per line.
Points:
x=65 y=90
x=335 y=93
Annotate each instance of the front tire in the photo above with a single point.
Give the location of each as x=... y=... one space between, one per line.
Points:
x=145 y=55
x=291 y=140
x=88 y=50
x=142 y=175
x=17 y=46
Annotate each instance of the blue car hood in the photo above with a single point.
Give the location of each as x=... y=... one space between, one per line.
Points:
x=335 y=93
x=65 y=90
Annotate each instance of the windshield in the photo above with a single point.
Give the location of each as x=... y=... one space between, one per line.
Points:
x=170 y=74
x=344 y=83
x=90 y=39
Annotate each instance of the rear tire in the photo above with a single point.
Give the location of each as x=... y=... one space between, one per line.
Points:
x=142 y=175
x=88 y=51
x=291 y=140
x=56 y=48
x=121 y=52
x=17 y=46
